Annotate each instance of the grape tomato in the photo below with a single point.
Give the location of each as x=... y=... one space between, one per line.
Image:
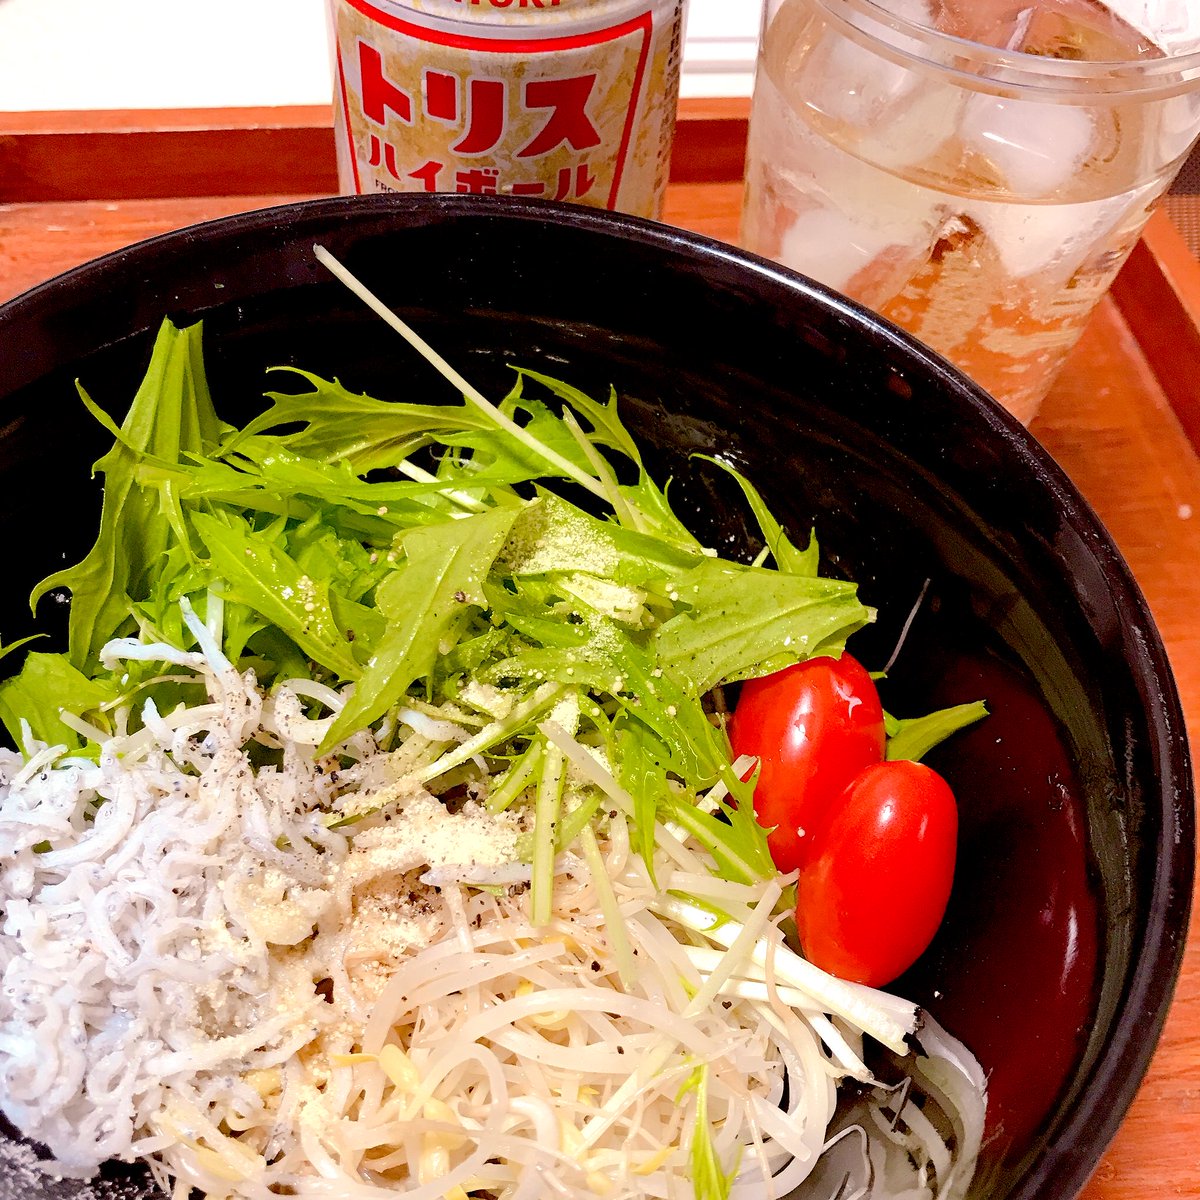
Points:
x=813 y=727
x=871 y=900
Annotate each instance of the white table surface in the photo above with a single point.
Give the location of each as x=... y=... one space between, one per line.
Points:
x=103 y=54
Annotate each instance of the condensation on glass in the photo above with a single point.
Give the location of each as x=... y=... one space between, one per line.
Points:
x=975 y=170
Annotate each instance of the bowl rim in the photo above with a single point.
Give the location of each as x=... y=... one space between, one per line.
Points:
x=1100 y=1099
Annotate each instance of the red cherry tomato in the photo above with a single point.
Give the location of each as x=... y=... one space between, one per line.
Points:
x=871 y=901
x=813 y=727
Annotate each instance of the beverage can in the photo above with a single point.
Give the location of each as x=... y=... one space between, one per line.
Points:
x=561 y=99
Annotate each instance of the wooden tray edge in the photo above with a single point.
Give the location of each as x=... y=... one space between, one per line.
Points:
x=1158 y=293
x=135 y=154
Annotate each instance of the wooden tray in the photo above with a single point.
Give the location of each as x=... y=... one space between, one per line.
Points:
x=1123 y=420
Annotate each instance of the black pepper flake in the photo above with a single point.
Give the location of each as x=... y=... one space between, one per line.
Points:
x=595 y=965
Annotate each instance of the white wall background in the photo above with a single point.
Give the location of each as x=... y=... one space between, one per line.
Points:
x=95 y=54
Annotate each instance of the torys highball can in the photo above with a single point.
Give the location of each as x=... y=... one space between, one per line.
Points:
x=563 y=99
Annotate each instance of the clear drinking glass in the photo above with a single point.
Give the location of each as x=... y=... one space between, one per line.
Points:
x=974 y=170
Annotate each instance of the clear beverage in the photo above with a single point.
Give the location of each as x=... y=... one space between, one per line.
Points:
x=983 y=192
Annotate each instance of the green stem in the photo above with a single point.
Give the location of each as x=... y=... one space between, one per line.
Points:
x=471 y=393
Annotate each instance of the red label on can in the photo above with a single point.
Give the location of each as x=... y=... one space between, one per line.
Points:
x=581 y=114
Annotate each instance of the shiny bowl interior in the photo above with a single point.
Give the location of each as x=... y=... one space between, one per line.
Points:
x=1063 y=940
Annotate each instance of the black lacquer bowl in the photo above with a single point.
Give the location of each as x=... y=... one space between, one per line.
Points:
x=1062 y=944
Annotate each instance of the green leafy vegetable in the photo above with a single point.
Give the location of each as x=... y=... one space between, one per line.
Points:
x=424 y=556
x=171 y=415
x=736 y=622
x=256 y=570
x=442 y=575
x=48 y=686
x=710 y=1181
x=914 y=737
x=7 y=650
x=788 y=558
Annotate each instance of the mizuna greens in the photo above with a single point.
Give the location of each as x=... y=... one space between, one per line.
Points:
x=496 y=605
